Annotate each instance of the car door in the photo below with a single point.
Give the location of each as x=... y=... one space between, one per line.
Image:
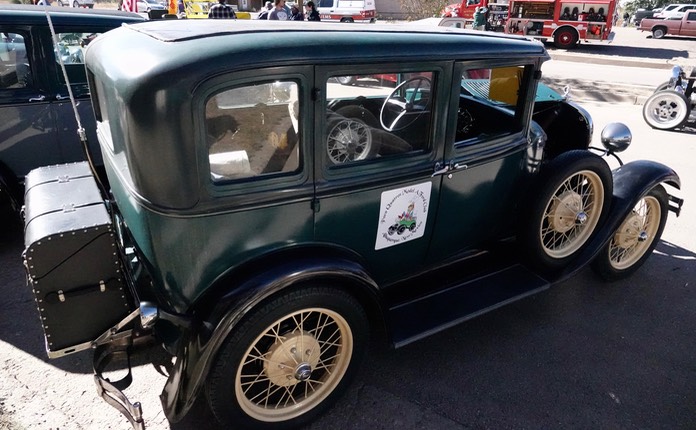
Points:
x=72 y=42
x=689 y=26
x=375 y=153
x=486 y=156
x=27 y=128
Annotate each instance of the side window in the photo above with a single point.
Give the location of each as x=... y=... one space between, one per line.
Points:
x=325 y=3
x=691 y=17
x=15 y=70
x=377 y=115
x=252 y=131
x=488 y=103
x=71 y=49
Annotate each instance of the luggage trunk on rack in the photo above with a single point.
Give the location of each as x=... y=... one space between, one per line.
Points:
x=72 y=258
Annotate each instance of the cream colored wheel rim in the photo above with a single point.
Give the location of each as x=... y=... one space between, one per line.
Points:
x=633 y=239
x=294 y=364
x=572 y=214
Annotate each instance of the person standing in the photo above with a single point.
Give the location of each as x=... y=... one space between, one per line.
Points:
x=311 y=12
x=479 y=18
x=295 y=14
x=279 y=13
x=266 y=10
x=221 y=11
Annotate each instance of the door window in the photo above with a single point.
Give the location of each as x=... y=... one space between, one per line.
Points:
x=489 y=103
x=71 y=50
x=376 y=116
x=15 y=69
x=252 y=131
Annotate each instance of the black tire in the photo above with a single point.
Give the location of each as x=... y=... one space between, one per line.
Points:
x=571 y=199
x=636 y=238
x=659 y=32
x=346 y=80
x=565 y=38
x=662 y=87
x=667 y=109
x=238 y=386
x=351 y=135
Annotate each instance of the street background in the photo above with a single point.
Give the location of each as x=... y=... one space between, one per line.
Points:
x=584 y=354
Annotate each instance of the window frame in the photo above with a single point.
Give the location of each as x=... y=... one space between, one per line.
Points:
x=402 y=165
x=248 y=189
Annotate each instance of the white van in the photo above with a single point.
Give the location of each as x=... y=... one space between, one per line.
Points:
x=675 y=11
x=347 y=10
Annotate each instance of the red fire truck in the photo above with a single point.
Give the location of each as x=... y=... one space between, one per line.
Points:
x=566 y=22
x=496 y=12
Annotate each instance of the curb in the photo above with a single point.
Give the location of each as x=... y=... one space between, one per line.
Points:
x=617 y=61
x=585 y=90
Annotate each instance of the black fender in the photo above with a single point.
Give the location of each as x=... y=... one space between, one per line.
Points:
x=632 y=181
x=11 y=188
x=200 y=342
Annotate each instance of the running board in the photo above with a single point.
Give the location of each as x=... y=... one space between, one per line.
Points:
x=446 y=308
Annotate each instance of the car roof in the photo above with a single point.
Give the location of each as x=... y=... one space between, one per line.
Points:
x=175 y=49
x=36 y=15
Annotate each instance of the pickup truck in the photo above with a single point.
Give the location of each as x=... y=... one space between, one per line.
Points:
x=686 y=26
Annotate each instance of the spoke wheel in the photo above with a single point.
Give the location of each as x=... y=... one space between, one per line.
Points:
x=665 y=110
x=350 y=135
x=292 y=357
x=635 y=239
x=571 y=198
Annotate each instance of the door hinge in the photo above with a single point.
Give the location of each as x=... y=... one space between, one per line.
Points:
x=316 y=205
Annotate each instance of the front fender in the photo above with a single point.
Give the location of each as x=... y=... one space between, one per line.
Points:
x=198 y=346
x=632 y=181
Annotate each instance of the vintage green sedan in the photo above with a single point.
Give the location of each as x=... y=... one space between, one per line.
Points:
x=280 y=192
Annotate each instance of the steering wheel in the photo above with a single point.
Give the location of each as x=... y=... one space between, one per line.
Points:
x=404 y=106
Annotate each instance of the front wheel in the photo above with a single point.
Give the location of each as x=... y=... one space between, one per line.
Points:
x=289 y=360
x=571 y=198
x=636 y=238
x=666 y=110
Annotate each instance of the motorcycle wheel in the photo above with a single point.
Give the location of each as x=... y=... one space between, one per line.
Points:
x=666 y=110
x=663 y=86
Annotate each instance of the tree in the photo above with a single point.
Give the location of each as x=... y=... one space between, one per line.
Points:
x=418 y=9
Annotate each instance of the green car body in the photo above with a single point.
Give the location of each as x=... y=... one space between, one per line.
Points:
x=246 y=180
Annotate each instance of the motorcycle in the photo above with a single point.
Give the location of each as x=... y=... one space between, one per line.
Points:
x=673 y=103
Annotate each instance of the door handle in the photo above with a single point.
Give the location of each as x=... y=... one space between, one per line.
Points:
x=38 y=99
x=440 y=169
x=61 y=97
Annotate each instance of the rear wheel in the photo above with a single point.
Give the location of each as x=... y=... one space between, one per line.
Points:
x=659 y=32
x=636 y=238
x=289 y=360
x=565 y=38
x=666 y=110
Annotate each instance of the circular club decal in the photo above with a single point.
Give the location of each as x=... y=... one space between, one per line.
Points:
x=402 y=215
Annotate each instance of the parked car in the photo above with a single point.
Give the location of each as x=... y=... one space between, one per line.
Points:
x=264 y=220
x=640 y=14
x=675 y=11
x=148 y=5
x=39 y=126
x=77 y=3
x=684 y=26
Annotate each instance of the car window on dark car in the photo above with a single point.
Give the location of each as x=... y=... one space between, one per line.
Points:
x=377 y=115
x=252 y=131
x=488 y=103
x=15 y=68
x=71 y=51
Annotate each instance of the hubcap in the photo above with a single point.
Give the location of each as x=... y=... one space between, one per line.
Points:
x=567 y=212
x=291 y=360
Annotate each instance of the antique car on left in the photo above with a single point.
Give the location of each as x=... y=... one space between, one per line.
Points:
x=38 y=124
x=263 y=220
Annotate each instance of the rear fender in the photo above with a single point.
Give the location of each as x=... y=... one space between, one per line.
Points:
x=10 y=187
x=632 y=181
x=199 y=344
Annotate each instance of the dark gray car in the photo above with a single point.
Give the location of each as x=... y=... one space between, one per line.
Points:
x=38 y=124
